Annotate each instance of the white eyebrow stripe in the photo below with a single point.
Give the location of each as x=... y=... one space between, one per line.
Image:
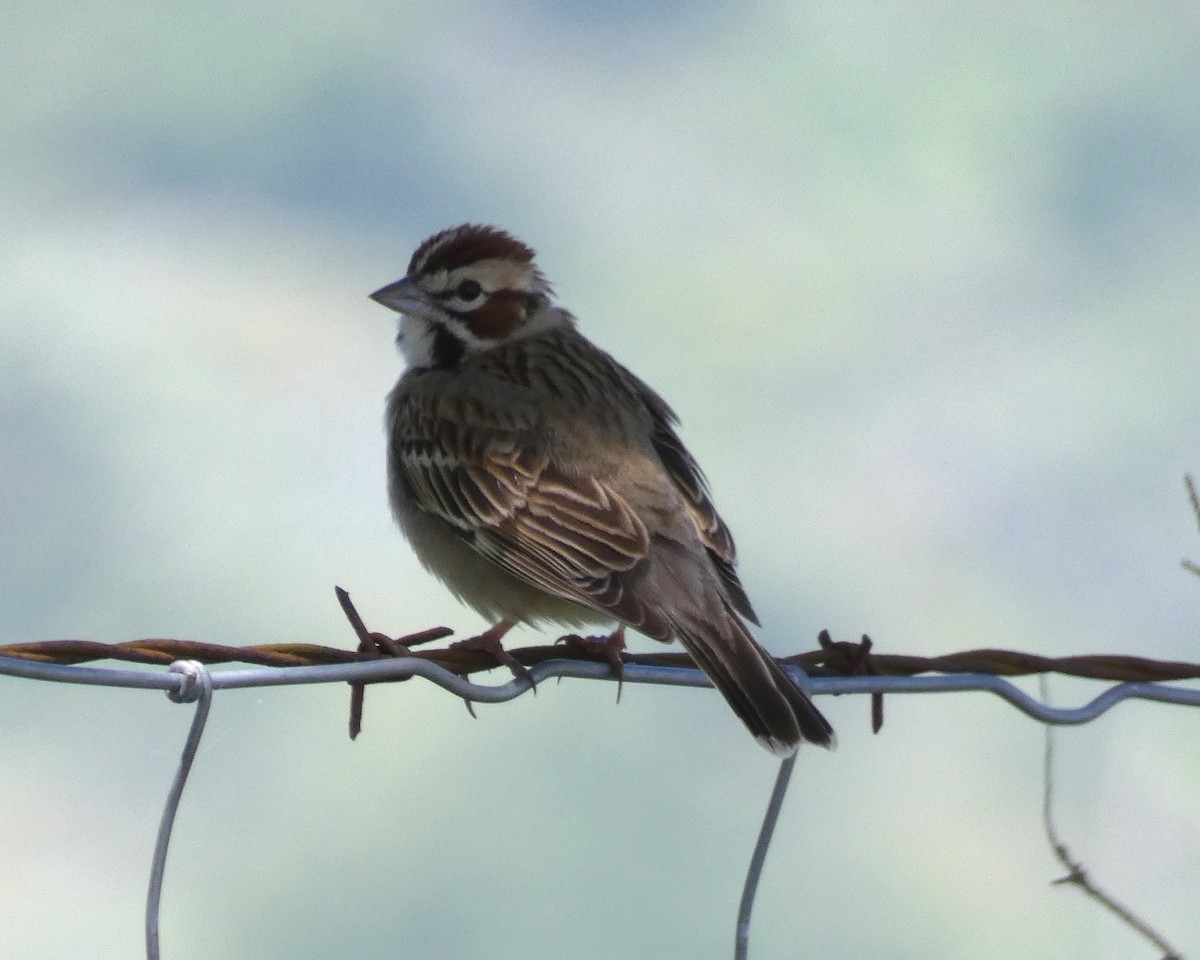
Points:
x=492 y=274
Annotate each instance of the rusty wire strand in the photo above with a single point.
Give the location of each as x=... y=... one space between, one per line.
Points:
x=840 y=659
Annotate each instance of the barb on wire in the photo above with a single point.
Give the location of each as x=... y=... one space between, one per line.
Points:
x=858 y=663
x=373 y=645
x=196 y=686
x=1076 y=875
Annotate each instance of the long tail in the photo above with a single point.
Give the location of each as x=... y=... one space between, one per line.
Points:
x=775 y=710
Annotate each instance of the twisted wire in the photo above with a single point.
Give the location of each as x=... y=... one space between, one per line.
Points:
x=836 y=668
x=837 y=658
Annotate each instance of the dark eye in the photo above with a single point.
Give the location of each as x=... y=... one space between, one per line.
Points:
x=468 y=290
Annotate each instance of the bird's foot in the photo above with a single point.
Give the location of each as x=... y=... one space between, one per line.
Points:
x=607 y=646
x=489 y=642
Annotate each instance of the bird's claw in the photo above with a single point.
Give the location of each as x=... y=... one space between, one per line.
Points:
x=489 y=642
x=607 y=646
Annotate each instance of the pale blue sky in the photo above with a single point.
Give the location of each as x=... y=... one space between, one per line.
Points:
x=921 y=280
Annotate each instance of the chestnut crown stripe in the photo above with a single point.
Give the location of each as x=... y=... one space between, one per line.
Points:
x=466 y=244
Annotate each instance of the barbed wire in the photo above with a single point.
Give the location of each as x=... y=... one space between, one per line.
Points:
x=836 y=667
x=833 y=658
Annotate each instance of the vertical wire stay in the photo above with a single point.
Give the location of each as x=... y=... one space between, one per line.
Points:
x=196 y=686
x=770 y=818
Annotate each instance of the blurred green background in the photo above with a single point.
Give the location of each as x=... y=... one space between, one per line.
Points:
x=920 y=278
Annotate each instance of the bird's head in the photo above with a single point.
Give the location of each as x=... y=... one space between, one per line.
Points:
x=468 y=289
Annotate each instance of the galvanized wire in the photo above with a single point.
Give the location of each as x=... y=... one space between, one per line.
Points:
x=401 y=668
x=190 y=681
x=196 y=686
x=741 y=939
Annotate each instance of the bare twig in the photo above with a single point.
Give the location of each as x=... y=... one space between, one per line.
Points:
x=1076 y=875
x=1191 y=489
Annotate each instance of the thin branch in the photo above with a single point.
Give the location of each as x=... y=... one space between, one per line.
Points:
x=1076 y=875
x=1191 y=489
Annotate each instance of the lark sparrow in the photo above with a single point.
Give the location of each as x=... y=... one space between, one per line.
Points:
x=542 y=481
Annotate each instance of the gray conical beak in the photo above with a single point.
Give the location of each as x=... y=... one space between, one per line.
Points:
x=403 y=296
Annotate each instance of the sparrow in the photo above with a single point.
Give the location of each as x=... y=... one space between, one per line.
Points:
x=541 y=481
